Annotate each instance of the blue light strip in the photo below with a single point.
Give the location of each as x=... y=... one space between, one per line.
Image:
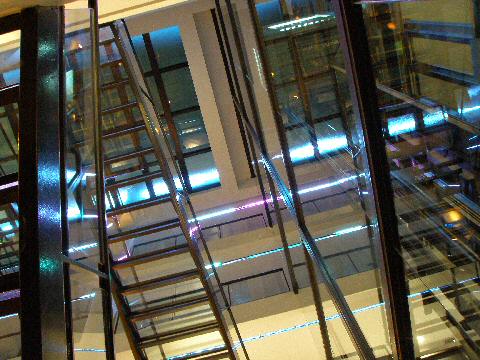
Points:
x=8 y=316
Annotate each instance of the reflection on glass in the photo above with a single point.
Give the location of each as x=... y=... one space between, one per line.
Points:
x=87 y=315
x=174 y=92
x=80 y=172
x=9 y=80
x=9 y=226
x=426 y=68
x=10 y=345
x=302 y=50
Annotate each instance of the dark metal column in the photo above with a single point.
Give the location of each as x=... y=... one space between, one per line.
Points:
x=358 y=64
x=43 y=323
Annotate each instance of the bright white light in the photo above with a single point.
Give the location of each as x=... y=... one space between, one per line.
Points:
x=84 y=297
x=215 y=214
x=205 y=178
x=350 y=230
x=327 y=185
x=74 y=213
x=298 y=21
x=466 y=110
x=9 y=185
x=301 y=153
x=473 y=147
x=215 y=264
x=82 y=247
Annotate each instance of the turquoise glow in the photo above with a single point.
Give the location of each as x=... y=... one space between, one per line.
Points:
x=325 y=145
x=401 y=124
x=6 y=227
x=197 y=180
x=435 y=118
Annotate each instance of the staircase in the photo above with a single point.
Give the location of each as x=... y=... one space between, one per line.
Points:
x=170 y=303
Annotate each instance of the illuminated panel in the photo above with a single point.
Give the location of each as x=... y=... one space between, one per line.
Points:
x=401 y=124
x=326 y=145
x=434 y=119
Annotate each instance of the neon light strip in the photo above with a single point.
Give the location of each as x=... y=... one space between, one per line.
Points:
x=7 y=295
x=261 y=202
x=8 y=316
x=298 y=21
x=472 y=147
x=85 y=297
x=9 y=185
x=82 y=247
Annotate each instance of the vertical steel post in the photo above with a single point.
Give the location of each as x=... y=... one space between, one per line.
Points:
x=104 y=266
x=354 y=43
x=43 y=321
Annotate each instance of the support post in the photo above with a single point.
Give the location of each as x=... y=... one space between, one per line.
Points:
x=104 y=265
x=43 y=320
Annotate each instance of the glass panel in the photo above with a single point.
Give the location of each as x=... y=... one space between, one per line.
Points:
x=10 y=346
x=202 y=171
x=192 y=132
x=80 y=169
x=426 y=59
x=179 y=88
x=168 y=46
x=9 y=79
x=87 y=315
x=141 y=52
x=9 y=59
x=330 y=168
x=9 y=260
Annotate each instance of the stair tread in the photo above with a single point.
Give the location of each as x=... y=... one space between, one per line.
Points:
x=165 y=309
x=159 y=282
x=151 y=256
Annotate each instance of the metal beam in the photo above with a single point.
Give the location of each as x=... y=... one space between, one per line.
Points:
x=43 y=321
